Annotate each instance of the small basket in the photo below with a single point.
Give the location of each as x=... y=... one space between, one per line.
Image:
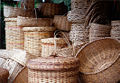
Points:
x=14 y=34
x=79 y=34
x=48 y=45
x=98 y=55
x=98 y=31
x=61 y=23
x=4 y=75
x=33 y=22
x=33 y=36
x=115 y=31
x=50 y=9
x=53 y=70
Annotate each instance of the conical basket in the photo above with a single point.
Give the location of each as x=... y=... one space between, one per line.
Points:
x=98 y=55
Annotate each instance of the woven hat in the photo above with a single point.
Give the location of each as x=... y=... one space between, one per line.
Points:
x=19 y=56
x=98 y=55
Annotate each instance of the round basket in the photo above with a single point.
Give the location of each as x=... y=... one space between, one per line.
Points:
x=53 y=70
x=79 y=34
x=98 y=31
x=33 y=36
x=14 y=34
x=33 y=22
x=48 y=45
x=4 y=75
x=103 y=54
x=50 y=9
x=61 y=23
x=115 y=31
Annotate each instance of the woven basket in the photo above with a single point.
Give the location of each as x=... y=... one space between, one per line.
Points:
x=48 y=45
x=4 y=75
x=103 y=54
x=98 y=31
x=13 y=67
x=14 y=34
x=61 y=23
x=53 y=70
x=76 y=16
x=50 y=9
x=33 y=36
x=33 y=22
x=115 y=31
x=79 y=34
x=2 y=61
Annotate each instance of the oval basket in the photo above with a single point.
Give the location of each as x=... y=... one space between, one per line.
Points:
x=33 y=22
x=61 y=23
x=103 y=54
x=53 y=70
x=33 y=36
x=115 y=31
x=4 y=75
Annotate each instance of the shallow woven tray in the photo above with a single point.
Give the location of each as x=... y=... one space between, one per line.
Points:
x=103 y=54
x=33 y=22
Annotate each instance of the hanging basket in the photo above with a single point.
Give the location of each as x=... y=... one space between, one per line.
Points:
x=61 y=23
x=33 y=36
x=98 y=31
x=53 y=69
x=103 y=54
x=33 y=22
x=14 y=34
x=48 y=45
x=4 y=75
x=115 y=31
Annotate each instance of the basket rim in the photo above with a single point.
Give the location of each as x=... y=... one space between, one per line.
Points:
x=14 y=19
x=93 y=42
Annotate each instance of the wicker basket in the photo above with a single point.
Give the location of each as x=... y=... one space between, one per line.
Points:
x=53 y=70
x=50 y=9
x=79 y=34
x=33 y=22
x=103 y=54
x=48 y=45
x=115 y=32
x=110 y=75
x=14 y=34
x=98 y=31
x=33 y=36
x=13 y=67
x=61 y=23
x=4 y=75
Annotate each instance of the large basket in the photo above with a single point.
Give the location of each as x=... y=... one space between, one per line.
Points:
x=48 y=45
x=50 y=9
x=33 y=36
x=98 y=31
x=33 y=22
x=53 y=70
x=4 y=75
x=115 y=31
x=14 y=34
x=61 y=23
x=79 y=34
x=103 y=54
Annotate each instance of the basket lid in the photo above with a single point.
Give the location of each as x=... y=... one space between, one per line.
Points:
x=10 y=20
x=40 y=29
x=53 y=63
x=51 y=40
x=3 y=73
x=98 y=55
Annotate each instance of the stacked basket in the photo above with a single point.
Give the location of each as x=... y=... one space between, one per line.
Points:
x=115 y=31
x=14 y=34
x=53 y=70
x=98 y=31
x=33 y=36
